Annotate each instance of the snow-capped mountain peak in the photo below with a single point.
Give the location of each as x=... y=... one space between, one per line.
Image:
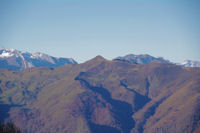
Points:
x=15 y=59
x=190 y=63
x=5 y=54
x=145 y=59
x=142 y=59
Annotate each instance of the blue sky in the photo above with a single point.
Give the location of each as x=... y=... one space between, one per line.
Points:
x=111 y=28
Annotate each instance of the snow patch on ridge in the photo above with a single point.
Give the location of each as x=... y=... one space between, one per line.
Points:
x=6 y=54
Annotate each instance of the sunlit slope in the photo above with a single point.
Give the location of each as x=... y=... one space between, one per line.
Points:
x=102 y=96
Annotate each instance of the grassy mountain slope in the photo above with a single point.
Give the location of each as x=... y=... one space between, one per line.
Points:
x=102 y=96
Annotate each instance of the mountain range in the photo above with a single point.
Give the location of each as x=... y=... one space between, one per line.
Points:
x=102 y=96
x=145 y=59
x=142 y=59
x=18 y=60
x=190 y=63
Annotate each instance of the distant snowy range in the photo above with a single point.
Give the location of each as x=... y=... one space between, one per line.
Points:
x=145 y=59
x=20 y=60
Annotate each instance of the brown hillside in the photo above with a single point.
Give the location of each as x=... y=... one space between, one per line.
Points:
x=102 y=96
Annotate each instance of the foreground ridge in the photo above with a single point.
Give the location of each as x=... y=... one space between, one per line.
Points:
x=102 y=96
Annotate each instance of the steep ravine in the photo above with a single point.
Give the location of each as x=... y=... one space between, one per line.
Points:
x=149 y=111
x=139 y=100
x=122 y=110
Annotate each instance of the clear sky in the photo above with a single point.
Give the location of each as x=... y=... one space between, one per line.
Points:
x=82 y=29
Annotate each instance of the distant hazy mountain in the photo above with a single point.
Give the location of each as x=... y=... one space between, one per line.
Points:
x=14 y=59
x=141 y=59
x=190 y=63
x=146 y=59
